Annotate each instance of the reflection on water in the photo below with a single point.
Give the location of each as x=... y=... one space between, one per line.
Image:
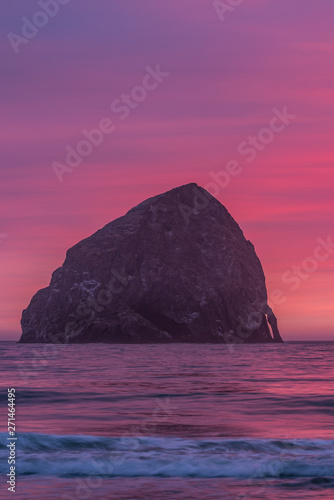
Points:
x=253 y=393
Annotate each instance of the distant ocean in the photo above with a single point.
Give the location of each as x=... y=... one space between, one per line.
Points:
x=172 y=422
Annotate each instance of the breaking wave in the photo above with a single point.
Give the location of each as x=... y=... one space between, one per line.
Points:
x=77 y=455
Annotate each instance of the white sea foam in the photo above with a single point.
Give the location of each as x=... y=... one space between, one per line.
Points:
x=77 y=455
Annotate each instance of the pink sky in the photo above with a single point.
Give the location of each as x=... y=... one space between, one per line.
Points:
x=225 y=78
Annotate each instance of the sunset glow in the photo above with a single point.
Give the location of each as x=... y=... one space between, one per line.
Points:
x=222 y=82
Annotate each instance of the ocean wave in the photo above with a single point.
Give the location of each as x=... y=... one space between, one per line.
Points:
x=78 y=455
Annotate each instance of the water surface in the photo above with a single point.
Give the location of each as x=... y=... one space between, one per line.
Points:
x=172 y=421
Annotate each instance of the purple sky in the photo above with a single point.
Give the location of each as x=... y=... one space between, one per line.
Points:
x=225 y=78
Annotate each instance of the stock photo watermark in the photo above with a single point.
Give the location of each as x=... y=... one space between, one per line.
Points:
x=97 y=298
x=92 y=304
x=3 y=236
x=123 y=107
x=225 y=7
x=11 y=440
x=85 y=487
x=294 y=277
x=297 y=274
x=250 y=147
x=31 y=27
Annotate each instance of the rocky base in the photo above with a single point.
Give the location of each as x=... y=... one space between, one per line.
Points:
x=176 y=268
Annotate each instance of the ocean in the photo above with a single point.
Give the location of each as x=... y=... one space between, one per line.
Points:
x=180 y=421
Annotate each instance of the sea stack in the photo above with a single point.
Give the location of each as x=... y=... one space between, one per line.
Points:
x=175 y=268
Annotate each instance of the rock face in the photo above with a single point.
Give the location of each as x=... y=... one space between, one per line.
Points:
x=176 y=268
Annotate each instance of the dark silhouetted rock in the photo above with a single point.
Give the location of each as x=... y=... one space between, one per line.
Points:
x=175 y=268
